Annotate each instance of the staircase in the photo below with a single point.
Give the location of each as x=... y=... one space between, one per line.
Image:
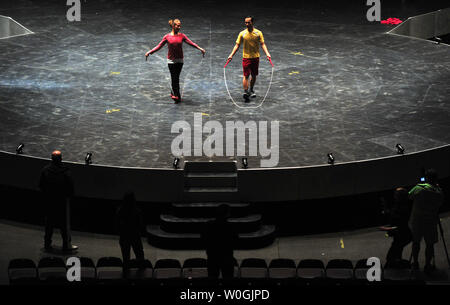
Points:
x=210 y=182
x=206 y=186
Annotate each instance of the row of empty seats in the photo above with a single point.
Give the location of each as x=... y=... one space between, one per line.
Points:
x=108 y=269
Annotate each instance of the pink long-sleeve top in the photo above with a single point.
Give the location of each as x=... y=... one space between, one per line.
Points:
x=175 y=46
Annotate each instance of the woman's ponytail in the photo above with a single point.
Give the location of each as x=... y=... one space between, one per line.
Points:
x=172 y=22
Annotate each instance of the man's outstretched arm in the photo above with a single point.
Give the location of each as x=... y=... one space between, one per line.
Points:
x=264 y=47
x=236 y=47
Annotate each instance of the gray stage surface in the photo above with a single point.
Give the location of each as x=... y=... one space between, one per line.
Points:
x=340 y=84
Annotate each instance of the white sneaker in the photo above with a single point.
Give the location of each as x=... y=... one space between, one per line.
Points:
x=252 y=94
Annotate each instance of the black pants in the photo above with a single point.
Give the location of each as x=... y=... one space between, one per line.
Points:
x=56 y=216
x=175 y=71
x=125 y=246
x=401 y=239
x=224 y=264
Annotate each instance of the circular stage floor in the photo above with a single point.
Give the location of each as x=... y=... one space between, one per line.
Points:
x=340 y=84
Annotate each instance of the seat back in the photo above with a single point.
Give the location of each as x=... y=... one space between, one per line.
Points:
x=52 y=269
x=310 y=269
x=195 y=268
x=341 y=269
x=109 y=268
x=282 y=269
x=398 y=270
x=167 y=269
x=254 y=268
x=22 y=270
x=88 y=269
x=139 y=270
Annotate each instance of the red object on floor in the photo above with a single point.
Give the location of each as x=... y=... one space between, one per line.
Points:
x=391 y=21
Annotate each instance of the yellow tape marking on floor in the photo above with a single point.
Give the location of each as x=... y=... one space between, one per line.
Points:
x=294 y=72
x=342 y=243
x=112 y=110
x=115 y=73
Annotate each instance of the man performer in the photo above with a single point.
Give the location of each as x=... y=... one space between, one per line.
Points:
x=251 y=38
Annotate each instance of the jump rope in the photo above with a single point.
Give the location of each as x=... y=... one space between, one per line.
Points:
x=229 y=94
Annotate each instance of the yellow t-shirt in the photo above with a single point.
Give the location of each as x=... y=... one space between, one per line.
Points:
x=251 y=40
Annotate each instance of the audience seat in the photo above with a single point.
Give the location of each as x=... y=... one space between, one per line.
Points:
x=138 y=271
x=22 y=271
x=339 y=269
x=88 y=270
x=109 y=269
x=254 y=268
x=282 y=268
x=52 y=269
x=309 y=269
x=195 y=268
x=399 y=270
x=167 y=269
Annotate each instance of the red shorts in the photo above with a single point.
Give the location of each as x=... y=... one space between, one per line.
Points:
x=250 y=66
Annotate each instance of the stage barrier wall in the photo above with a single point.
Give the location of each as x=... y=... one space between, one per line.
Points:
x=255 y=185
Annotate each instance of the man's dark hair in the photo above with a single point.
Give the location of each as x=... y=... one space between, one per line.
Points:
x=431 y=176
x=251 y=17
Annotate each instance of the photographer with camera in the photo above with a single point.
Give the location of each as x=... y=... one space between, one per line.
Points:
x=428 y=198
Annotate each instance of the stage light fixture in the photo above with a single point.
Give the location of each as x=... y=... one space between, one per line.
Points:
x=19 y=149
x=244 y=163
x=175 y=163
x=400 y=149
x=330 y=158
x=88 y=158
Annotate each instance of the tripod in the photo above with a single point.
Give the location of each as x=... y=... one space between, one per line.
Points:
x=443 y=241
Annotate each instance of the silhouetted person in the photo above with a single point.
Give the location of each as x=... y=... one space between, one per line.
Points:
x=130 y=224
x=428 y=198
x=400 y=214
x=57 y=186
x=220 y=239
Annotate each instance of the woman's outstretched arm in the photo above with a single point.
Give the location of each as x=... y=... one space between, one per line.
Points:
x=189 y=42
x=158 y=47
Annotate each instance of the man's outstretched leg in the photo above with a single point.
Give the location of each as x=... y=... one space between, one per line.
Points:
x=252 y=85
x=245 y=82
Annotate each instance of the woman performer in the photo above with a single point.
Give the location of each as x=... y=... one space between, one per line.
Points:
x=175 y=55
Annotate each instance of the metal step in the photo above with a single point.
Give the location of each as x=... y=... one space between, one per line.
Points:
x=215 y=189
x=206 y=166
x=184 y=241
x=174 y=224
x=215 y=180
x=208 y=209
x=212 y=194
